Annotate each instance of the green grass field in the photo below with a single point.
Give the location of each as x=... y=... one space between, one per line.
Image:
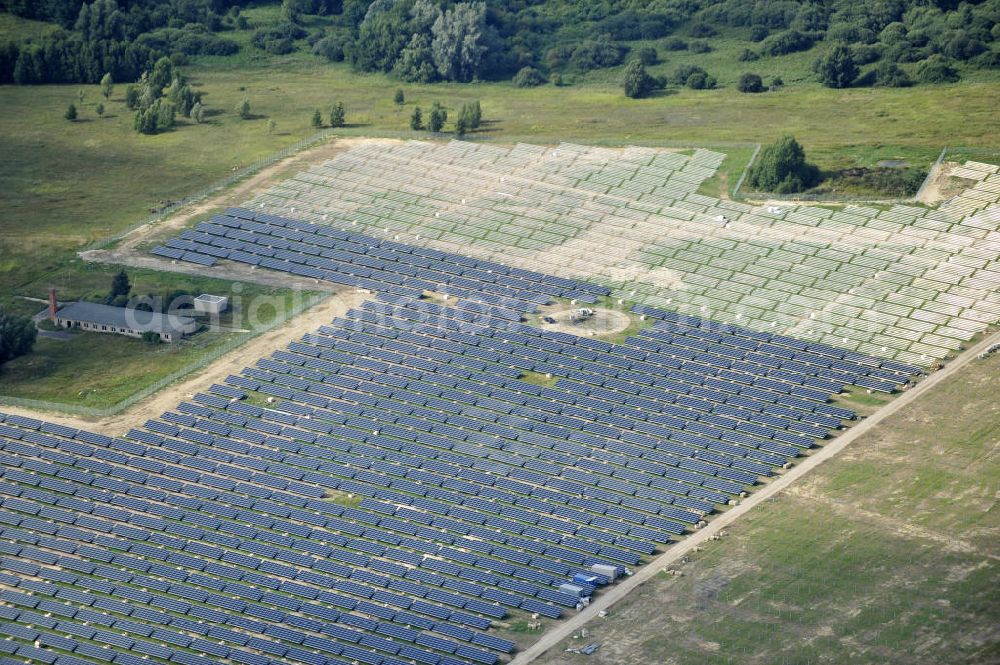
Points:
x=886 y=554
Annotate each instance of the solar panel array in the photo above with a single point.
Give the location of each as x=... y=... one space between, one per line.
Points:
x=386 y=488
x=907 y=283
x=358 y=260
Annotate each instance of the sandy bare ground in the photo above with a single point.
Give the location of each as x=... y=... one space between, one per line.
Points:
x=779 y=484
x=604 y=322
x=940 y=187
x=200 y=381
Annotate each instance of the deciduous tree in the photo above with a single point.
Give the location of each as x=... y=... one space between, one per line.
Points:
x=107 y=85
x=636 y=82
x=782 y=168
x=337 y=115
x=17 y=335
x=837 y=69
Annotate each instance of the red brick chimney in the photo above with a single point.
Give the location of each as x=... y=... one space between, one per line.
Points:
x=52 y=305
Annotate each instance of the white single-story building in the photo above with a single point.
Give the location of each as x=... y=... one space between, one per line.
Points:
x=209 y=304
x=123 y=321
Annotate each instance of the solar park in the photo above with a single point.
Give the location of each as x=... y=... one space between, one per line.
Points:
x=907 y=283
x=389 y=489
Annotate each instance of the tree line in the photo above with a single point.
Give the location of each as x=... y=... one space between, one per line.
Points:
x=533 y=40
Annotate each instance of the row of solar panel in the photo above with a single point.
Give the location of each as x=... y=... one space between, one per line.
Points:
x=709 y=359
x=417 y=562
x=494 y=437
x=632 y=383
x=117 y=485
x=270 y=241
x=892 y=370
x=567 y=285
x=619 y=358
x=226 y=538
x=123 y=561
x=322 y=391
x=346 y=555
x=650 y=399
x=99 y=634
x=381 y=474
x=92 y=591
x=367 y=259
x=524 y=424
x=369 y=456
x=448 y=475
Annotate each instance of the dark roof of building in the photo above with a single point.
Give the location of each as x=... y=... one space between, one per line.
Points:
x=124 y=317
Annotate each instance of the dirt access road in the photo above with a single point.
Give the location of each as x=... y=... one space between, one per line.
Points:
x=681 y=549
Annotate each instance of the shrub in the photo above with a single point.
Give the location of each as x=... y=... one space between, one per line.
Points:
x=332 y=47
x=647 y=55
x=528 y=77
x=782 y=168
x=281 y=46
x=70 y=112
x=889 y=75
x=790 y=41
x=597 y=54
x=675 y=44
x=960 y=46
x=837 y=68
x=151 y=337
x=684 y=72
x=750 y=83
x=630 y=26
x=192 y=39
x=437 y=118
x=937 y=69
x=702 y=30
x=636 y=82
x=700 y=81
x=338 y=115
x=865 y=54
x=17 y=336
x=893 y=33
x=748 y=56
x=759 y=33
x=699 y=46
x=988 y=60
x=277 y=39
